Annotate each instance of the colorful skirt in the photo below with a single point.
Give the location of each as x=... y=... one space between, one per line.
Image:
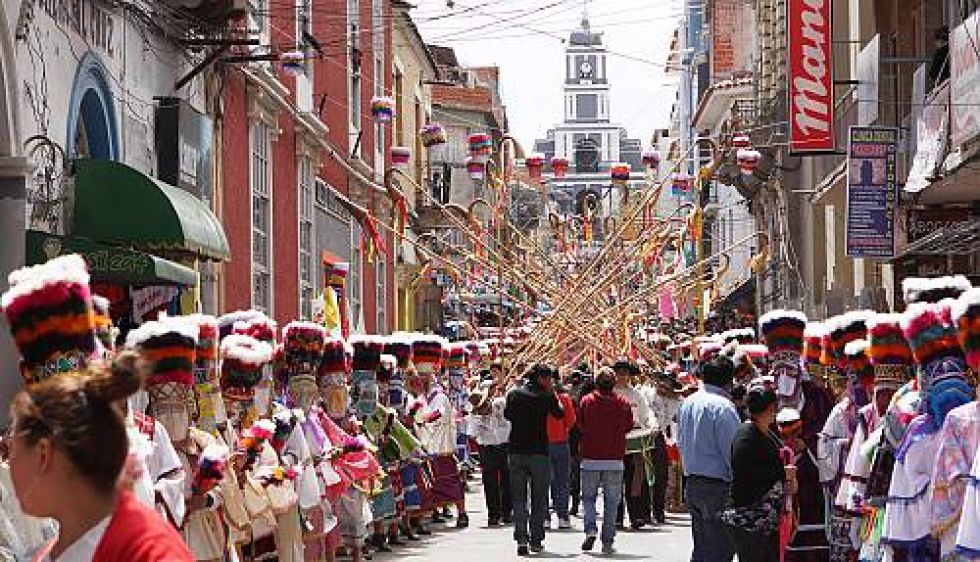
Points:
x=352 y=517
x=413 y=486
x=447 y=487
x=383 y=504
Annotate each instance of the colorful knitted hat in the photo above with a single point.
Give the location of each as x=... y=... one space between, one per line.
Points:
x=740 y=335
x=401 y=348
x=428 y=353
x=749 y=359
x=844 y=329
x=302 y=345
x=782 y=330
x=933 y=289
x=367 y=352
x=260 y=327
x=242 y=361
x=813 y=336
x=336 y=358
x=888 y=351
x=49 y=308
x=332 y=376
x=966 y=314
x=103 y=322
x=226 y=322
x=170 y=346
x=207 y=355
x=457 y=356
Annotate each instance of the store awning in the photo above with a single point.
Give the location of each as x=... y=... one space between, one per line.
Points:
x=119 y=205
x=959 y=238
x=109 y=264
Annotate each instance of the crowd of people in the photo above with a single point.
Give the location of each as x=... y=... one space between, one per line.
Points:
x=227 y=438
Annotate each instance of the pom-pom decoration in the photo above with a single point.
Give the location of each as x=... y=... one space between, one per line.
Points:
x=930 y=332
x=367 y=352
x=226 y=322
x=382 y=109
x=535 y=166
x=966 y=315
x=888 y=350
x=293 y=62
x=285 y=421
x=650 y=158
x=259 y=327
x=242 y=360
x=401 y=348
x=169 y=345
x=400 y=156
x=476 y=169
x=303 y=344
x=254 y=439
x=480 y=145
x=428 y=352
x=740 y=335
x=457 y=357
x=49 y=310
x=747 y=159
x=619 y=173
x=559 y=166
x=432 y=134
x=783 y=330
x=210 y=469
x=276 y=475
x=349 y=445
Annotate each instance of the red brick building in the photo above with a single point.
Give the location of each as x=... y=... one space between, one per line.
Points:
x=298 y=143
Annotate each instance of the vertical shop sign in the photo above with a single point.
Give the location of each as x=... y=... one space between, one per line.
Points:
x=872 y=191
x=810 y=70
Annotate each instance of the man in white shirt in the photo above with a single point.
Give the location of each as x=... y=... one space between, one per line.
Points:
x=491 y=430
x=637 y=474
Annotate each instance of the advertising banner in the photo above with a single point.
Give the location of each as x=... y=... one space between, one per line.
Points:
x=810 y=73
x=872 y=191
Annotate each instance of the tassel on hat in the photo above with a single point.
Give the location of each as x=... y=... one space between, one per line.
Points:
x=50 y=312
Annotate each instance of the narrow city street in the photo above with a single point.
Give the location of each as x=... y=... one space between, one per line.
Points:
x=668 y=543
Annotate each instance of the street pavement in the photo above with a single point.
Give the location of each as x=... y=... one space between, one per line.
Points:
x=667 y=543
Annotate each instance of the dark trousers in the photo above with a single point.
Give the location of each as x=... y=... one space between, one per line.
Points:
x=705 y=499
x=530 y=477
x=575 y=486
x=659 y=488
x=755 y=547
x=496 y=480
x=636 y=490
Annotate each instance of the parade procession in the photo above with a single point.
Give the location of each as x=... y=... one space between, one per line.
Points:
x=317 y=280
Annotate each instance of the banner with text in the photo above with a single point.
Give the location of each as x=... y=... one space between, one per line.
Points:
x=811 y=82
x=872 y=191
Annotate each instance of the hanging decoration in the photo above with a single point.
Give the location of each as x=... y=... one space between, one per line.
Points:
x=559 y=166
x=371 y=238
x=382 y=109
x=481 y=145
x=740 y=141
x=651 y=158
x=680 y=184
x=432 y=134
x=747 y=159
x=476 y=169
x=535 y=165
x=620 y=173
x=400 y=155
x=293 y=62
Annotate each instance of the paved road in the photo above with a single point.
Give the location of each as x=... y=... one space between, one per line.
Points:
x=669 y=543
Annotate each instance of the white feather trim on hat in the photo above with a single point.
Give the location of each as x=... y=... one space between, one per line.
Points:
x=388 y=360
x=781 y=313
x=69 y=268
x=238 y=316
x=913 y=287
x=180 y=325
x=246 y=349
x=815 y=330
x=746 y=332
x=301 y=325
x=366 y=339
x=752 y=351
x=788 y=415
x=856 y=347
x=883 y=319
x=100 y=304
x=968 y=299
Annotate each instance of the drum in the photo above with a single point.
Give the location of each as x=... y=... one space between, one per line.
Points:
x=639 y=441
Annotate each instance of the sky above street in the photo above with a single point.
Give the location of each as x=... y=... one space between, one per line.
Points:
x=526 y=39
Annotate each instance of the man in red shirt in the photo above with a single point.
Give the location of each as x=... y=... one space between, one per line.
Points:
x=560 y=456
x=604 y=420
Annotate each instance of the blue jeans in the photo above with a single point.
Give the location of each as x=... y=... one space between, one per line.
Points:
x=612 y=493
x=529 y=478
x=561 y=478
x=705 y=500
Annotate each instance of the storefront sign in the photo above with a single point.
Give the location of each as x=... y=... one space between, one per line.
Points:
x=868 y=77
x=149 y=299
x=872 y=191
x=923 y=222
x=85 y=18
x=964 y=66
x=811 y=88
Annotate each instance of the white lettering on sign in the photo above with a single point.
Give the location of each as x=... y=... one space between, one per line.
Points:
x=85 y=18
x=189 y=157
x=811 y=91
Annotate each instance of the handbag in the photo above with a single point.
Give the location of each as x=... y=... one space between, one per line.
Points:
x=762 y=516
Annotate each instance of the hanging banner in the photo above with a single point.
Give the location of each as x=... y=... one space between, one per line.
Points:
x=964 y=66
x=810 y=73
x=872 y=191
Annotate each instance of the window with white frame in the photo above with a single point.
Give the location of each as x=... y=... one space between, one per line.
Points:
x=354 y=74
x=381 y=297
x=260 y=140
x=306 y=270
x=354 y=282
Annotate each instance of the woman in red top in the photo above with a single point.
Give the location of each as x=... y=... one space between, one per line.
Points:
x=66 y=450
x=561 y=459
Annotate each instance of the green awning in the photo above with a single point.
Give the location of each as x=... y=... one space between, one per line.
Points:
x=119 y=205
x=109 y=264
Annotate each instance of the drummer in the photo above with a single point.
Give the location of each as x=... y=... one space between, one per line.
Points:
x=638 y=462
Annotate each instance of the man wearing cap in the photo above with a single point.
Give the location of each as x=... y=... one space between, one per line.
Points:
x=707 y=423
x=528 y=407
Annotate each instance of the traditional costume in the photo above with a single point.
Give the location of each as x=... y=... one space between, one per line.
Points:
x=966 y=314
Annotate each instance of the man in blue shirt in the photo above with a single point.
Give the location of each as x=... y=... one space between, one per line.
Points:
x=706 y=426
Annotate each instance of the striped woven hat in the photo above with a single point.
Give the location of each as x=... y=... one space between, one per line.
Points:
x=170 y=346
x=49 y=309
x=242 y=361
x=813 y=336
x=782 y=331
x=428 y=353
x=367 y=352
x=889 y=351
x=401 y=348
x=302 y=345
x=457 y=356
